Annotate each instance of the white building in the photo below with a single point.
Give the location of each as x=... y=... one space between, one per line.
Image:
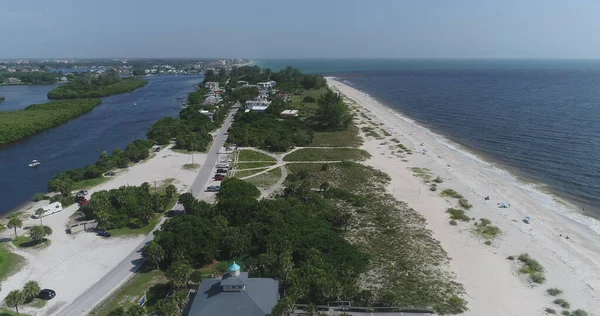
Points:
x=266 y=85
x=289 y=113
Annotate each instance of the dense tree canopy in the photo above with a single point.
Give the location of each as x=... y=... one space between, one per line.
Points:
x=191 y=130
x=31 y=77
x=89 y=85
x=333 y=113
x=15 y=125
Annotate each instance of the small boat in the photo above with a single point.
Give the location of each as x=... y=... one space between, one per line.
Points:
x=34 y=163
x=134 y=103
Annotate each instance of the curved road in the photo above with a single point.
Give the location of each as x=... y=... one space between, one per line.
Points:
x=85 y=302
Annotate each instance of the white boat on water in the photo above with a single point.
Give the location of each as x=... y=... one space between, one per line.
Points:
x=34 y=163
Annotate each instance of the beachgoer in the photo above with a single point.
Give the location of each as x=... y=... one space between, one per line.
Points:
x=567 y=237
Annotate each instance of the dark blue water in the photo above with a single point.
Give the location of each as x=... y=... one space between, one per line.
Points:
x=114 y=123
x=20 y=96
x=543 y=124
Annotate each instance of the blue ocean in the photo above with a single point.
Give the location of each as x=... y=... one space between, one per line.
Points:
x=538 y=119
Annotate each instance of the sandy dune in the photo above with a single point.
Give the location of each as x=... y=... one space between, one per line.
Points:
x=493 y=284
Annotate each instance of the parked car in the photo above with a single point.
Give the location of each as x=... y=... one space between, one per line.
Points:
x=221 y=170
x=110 y=173
x=211 y=188
x=157 y=149
x=104 y=233
x=47 y=294
x=83 y=201
x=82 y=193
x=219 y=177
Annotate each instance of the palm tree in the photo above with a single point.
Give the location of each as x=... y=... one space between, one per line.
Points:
x=154 y=253
x=180 y=299
x=14 y=299
x=136 y=310
x=40 y=212
x=31 y=290
x=15 y=222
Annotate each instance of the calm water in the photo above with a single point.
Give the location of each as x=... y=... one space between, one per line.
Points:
x=538 y=118
x=21 y=96
x=114 y=123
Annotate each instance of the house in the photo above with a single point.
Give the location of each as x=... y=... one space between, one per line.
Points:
x=211 y=115
x=265 y=85
x=283 y=96
x=235 y=294
x=218 y=91
x=259 y=108
x=289 y=113
x=13 y=80
x=252 y=104
x=212 y=85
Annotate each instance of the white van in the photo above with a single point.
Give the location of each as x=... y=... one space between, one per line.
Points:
x=50 y=209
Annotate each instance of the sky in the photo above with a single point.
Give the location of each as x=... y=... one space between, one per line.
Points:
x=299 y=29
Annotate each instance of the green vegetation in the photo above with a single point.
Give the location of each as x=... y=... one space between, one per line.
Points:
x=190 y=131
x=422 y=173
x=266 y=179
x=153 y=282
x=15 y=125
x=562 y=303
x=88 y=183
x=251 y=155
x=438 y=180
x=134 y=231
x=32 y=77
x=88 y=85
x=134 y=152
x=126 y=207
x=369 y=131
x=464 y=203
x=533 y=268
x=341 y=138
x=329 y=154
x=550 y=311
x=451 y=193
x=458 y=214
x=247 y=173
x=10 y=263
x=191 y=166
x=433 y=187
x=486 y=230
x=554 y=291
x=405 y=149
x=405 y=259
x=250 y=165
x=39 y=196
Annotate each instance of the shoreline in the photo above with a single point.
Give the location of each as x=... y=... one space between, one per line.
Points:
x=565 y=203
x=490 y=280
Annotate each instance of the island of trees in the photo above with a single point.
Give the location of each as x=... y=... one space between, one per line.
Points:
x=91 y=85
x=15 y=125
x=32 y=77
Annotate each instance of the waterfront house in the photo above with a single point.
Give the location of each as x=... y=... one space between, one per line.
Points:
x=235 y=294
x=13 y=81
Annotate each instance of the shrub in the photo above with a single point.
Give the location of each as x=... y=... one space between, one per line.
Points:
x=39 y=196
x=550 y=311
x=458 y=214
x=451 y=193
x=510 y=257
x=487 y=242
x=533 y=268
x=579 y=312
x=465 y=204
x=453 y=223
x=486 y=230
x=325 y=167
x=438 y=180
x=433 y=187
x=562 y=303
x=309 y=99
x=538 y=278
x=554 y=291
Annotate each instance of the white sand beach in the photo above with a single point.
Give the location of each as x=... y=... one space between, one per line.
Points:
x=493 y=284
x=72 y=263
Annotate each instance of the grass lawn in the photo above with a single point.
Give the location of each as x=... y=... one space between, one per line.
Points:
x=242 y=174
x=344 y=138
x=10 y=312
x=336 y=154
x=191 y=166
x=266 y=179
x=36 y=303
x=88 y=183
x=26 y=242
x=251 y=155
x=126 y=231
x=185 y=151
x=10 y=263
x=249 y=165
x=152 y=282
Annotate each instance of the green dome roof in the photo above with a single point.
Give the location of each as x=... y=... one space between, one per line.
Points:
x=234 y=267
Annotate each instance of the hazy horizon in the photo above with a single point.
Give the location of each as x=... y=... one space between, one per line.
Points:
x=428 y=29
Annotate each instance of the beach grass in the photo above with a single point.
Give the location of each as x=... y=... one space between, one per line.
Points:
x=145 y=230
x=191 y=166
x=88 y=183
x=370 y=132
x=464 y=203
x=550 y=311
x=404 y=148
x=554 y=291
x=10 y=262
x=532 y=267
x=562 y=303
x=250 y=165
x=433 y=187
x=438 y=180
x=422 y=173
x=458 y=214
x=247 y=173
x=251 y=155
x=343 y=138
x=451 y=193
x=329 y=154
x=393 y=234
x=486 y=230
x=267 y=179
x=149 y=281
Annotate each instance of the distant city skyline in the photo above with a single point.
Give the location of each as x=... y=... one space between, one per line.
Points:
x=306 y=29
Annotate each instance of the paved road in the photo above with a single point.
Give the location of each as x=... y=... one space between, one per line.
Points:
x=111 y=281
